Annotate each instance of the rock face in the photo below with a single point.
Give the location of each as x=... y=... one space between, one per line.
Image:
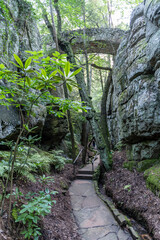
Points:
x=19 y=32
x=134 y=118
x=55 y=129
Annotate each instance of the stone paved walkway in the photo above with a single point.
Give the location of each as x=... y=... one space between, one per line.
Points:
x=93 y=217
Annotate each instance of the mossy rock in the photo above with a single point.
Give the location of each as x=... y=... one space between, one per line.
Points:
x=152 y=176
x=145 y=164
x=130 y=165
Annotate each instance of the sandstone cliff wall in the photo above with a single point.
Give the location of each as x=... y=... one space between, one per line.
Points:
x=134 y=118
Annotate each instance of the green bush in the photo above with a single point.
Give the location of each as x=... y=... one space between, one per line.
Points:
x=29 y=214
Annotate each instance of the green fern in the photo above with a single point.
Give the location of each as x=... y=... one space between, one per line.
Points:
x=38 y=162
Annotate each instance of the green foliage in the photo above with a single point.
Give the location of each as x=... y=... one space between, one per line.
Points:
x=96 y=174
x=40 y=81
x=130 y=165
x=44 y=179
x=127 y=187
x=30 y=213
x=19 y=93
x=5 y=11
x=38 y=162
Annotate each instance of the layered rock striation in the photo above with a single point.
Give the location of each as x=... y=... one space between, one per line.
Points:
x=134 y=116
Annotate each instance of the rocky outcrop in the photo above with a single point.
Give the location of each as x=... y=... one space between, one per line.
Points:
x=134 y=119
x=18 y=33
x=18 y=30
x=99 y=40
x=55 y=129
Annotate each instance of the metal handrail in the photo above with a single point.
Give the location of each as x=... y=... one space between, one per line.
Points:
x=74 y=162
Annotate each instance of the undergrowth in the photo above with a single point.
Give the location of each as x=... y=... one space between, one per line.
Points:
x=38 y=162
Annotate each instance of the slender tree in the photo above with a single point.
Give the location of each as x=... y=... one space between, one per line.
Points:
x=53 y=32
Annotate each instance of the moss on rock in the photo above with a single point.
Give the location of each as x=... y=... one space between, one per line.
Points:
x=145 y=164
x=152 y=176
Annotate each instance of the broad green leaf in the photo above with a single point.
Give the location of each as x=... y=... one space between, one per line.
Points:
x=56 y=54
x=67 y=68
x=60 y=72
x=69 y=87
x=18 y=60
x=58 y=78
x=72 y=82
x=28 y=80
x=52 y=74
x=52 y=87
x=2 y=66
x=39 y=87
x=28 y=62
x=36 y=61
x=2 y=96
x=14 y=64
x=75 y=72
x=44 y=73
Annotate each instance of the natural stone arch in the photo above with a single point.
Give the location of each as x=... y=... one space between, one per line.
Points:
x=99 y=40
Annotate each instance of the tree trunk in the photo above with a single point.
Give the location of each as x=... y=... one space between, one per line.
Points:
x=84 y=138
x=91 y=114
x=85 y=126
x=100 y=73
x=104 y=126
x=70 y=123
x=53 y=33
x=53 y=25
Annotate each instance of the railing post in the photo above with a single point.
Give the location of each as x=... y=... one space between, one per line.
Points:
x=92 y=166
x=74 y=162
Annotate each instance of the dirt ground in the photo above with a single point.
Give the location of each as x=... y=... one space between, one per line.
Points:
x=59 y=224
x=129 y=192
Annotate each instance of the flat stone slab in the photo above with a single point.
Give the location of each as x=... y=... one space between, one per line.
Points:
x=94 y=219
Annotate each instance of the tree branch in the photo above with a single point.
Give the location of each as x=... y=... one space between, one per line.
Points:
x=102 y=68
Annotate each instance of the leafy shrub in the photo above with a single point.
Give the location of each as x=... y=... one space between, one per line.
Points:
x=29 y=214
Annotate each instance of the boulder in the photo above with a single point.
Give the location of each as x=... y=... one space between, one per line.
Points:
x=55 y=129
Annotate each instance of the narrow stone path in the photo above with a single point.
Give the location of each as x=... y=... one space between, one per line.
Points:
x=93 y=217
